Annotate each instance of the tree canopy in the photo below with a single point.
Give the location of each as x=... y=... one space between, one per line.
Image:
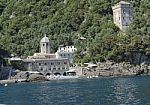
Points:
x=24 y=23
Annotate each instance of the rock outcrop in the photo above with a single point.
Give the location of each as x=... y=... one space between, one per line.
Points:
x=116 y=69
x=36 y=78
x=29 y=77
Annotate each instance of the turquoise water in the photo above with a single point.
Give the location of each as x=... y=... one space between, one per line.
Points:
x=100 y=91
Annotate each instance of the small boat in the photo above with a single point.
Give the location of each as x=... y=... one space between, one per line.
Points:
x=5 y=85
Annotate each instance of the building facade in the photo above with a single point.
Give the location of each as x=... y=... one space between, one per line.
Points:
x=47 y=66
x=46 y=62
x=122 y=14
x=66 y=52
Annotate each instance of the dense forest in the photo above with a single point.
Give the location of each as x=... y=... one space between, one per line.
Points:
x=87 y=24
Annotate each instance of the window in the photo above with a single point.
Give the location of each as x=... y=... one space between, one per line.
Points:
x=129 y=12
x=58 y=63
x=45 y=63
x=49 y=68
x=41 y=68
x=65 y=62
x=52 y=63
x=39 y=64
x=43 y=44
x=63 y=68
x=58 y=68
x=123 y=11
x=123 y=18
x=64 y=55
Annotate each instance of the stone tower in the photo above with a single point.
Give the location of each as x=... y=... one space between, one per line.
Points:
x=122 y=14
x=45 y=45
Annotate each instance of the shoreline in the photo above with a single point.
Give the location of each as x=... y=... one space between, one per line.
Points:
x=103 y=69
x=3 y=82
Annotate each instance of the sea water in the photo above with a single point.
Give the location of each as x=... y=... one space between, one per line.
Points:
x=97 y=91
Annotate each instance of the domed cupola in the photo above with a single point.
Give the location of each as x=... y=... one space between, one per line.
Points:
x=45 y=45
x=45 y=39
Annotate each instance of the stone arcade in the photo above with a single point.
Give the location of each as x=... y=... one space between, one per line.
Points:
x=46 y=62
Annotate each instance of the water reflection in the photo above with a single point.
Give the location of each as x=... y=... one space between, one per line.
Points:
x=58 y=93
x=123 y=91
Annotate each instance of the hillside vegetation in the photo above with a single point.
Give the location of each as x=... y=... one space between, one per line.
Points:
x=66 y=22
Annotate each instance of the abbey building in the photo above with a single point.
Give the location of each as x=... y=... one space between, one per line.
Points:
x=46 y=62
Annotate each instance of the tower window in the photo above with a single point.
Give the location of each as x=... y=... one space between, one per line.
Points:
x=43 y=44
x=123 y=18
x=123 y=11
x=129 y=12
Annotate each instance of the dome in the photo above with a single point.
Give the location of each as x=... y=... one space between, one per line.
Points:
x=44 y=39
x=123 y=2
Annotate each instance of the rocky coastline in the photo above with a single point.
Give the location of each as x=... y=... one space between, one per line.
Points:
x=105 y=69
x=117 y=69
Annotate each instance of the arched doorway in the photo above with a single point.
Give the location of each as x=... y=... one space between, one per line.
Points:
x=48 y=74
x=64 y=74
x=57 y=73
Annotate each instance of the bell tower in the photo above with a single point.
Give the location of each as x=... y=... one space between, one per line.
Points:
x=45 y=45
